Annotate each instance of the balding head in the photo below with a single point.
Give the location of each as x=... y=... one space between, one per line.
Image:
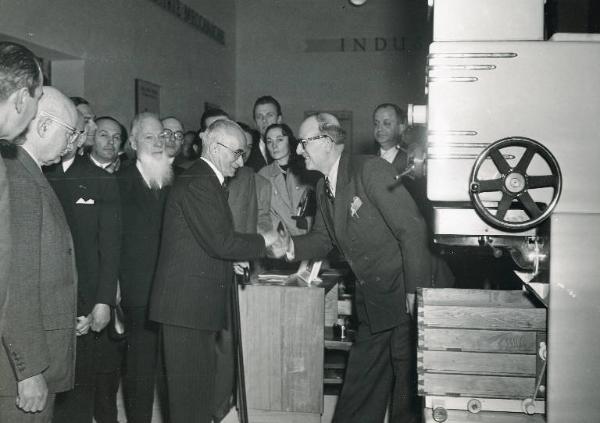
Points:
x=320 y=141
x=53 y=130
x=223 y=145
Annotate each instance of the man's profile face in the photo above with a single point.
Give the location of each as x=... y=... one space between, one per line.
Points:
x=90 y=125
x=265 y=115
x=150 y=140
x=387 y=128
x=313 y=153
x=107 y=141
x=57 y=141
x=229 y=151
x=247 y=145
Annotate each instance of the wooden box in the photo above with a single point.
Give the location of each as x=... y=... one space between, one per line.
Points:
x=478 y=349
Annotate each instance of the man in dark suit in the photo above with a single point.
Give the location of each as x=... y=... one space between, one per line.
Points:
x=194 y=278
x=143 y=189
x=38 y=357
x=20 y=90
x=90 y=199
x=266 y=112
x=376 y=225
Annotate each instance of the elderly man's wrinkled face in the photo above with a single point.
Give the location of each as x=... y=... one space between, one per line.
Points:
x=265 y=115
x=60 y=137
x=107 y=141
x=230 y=151
x=151 y=139
x=175 y=140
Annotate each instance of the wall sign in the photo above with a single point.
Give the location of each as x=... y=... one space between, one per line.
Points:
x=147 y=97
x=193 y=18
x=362 y=44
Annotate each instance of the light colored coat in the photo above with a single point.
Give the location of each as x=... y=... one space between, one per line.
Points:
x=286 y=194
x=39 y=336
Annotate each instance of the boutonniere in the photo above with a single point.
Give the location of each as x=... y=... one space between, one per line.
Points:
x=354 y=206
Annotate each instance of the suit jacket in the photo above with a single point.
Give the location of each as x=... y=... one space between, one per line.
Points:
x=256 y=160
x=90 y=199
x=40 y=331
x=194 y=276
x=263 y=199
x=286 y=194
x=5 y=244
x=242 y=200
x=377 y=227
x=142 y=211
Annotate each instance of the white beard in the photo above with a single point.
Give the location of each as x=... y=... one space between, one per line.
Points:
x=157 y=171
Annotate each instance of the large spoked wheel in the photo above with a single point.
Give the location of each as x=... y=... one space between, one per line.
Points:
x=515 y=184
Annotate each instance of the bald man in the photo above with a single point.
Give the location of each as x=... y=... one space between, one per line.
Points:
x=376 y=225
x=194 y=277
x=39 y=356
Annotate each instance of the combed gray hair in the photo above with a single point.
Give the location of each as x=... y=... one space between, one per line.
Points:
x=330 y=125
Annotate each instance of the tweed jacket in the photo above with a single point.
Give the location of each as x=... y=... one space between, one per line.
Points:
x=40 y=330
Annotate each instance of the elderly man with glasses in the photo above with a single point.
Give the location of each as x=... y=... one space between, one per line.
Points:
x=90 y=199
x=143 y=190
x=194 y=278
x=39 y=355
x=376 y=225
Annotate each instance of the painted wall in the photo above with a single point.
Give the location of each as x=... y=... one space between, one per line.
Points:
x=381 y=58
x=119 y=41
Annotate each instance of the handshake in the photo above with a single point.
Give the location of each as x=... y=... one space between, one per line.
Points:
x=278 y=241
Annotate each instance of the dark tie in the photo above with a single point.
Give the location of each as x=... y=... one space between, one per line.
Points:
x=225 y=188
x=328 y=190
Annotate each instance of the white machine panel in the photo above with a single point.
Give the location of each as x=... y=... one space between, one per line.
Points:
x=548 y=91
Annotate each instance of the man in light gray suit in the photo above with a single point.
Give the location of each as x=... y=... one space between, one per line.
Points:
x=20 y=90
x=39 y=338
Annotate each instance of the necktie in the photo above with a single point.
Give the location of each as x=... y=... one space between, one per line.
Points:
x=328 y=191
x=225 y=188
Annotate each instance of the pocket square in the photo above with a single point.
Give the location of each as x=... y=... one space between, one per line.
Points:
x=82 y=201
x=354 y=206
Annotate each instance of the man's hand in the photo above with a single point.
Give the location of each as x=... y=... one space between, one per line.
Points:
x=83 y=325
x=32 y=394
x=99 y=317
x=239 y=266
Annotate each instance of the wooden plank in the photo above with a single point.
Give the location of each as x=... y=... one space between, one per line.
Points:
x=478 y=340
x=456 y=416
x=266 y=416
x=483 y=317
x=477 y=363
x=331 y=306
x=282 y=333
x=487 y=404
x=476 y=386
x=478 y=297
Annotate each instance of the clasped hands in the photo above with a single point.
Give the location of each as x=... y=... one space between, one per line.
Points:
x=277 y=242
x=96 y=320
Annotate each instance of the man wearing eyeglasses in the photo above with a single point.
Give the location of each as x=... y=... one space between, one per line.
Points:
x=194 y=277
x=39 y=355
x=376 y=225
x=143 y=190
x=90 y=198
x=174 y=143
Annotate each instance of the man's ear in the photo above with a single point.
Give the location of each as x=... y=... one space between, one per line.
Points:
x=43 y=126
x=132 y=143
x=279 y=118
x=402 y=127
x=20 y=99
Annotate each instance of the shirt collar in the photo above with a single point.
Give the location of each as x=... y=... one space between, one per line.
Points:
x=66 y=164
x=333 y=174
x=214 y=168
x=388 y=155
x=97 y=163
x=24 y=147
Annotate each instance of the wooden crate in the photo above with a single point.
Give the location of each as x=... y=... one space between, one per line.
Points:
x=479 y=344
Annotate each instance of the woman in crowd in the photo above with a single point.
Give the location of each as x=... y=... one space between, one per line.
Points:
x=291 y=193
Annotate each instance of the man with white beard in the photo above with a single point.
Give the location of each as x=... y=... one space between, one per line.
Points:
x=143 y=190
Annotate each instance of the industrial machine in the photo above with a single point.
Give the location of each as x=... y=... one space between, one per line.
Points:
x=513 y=145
